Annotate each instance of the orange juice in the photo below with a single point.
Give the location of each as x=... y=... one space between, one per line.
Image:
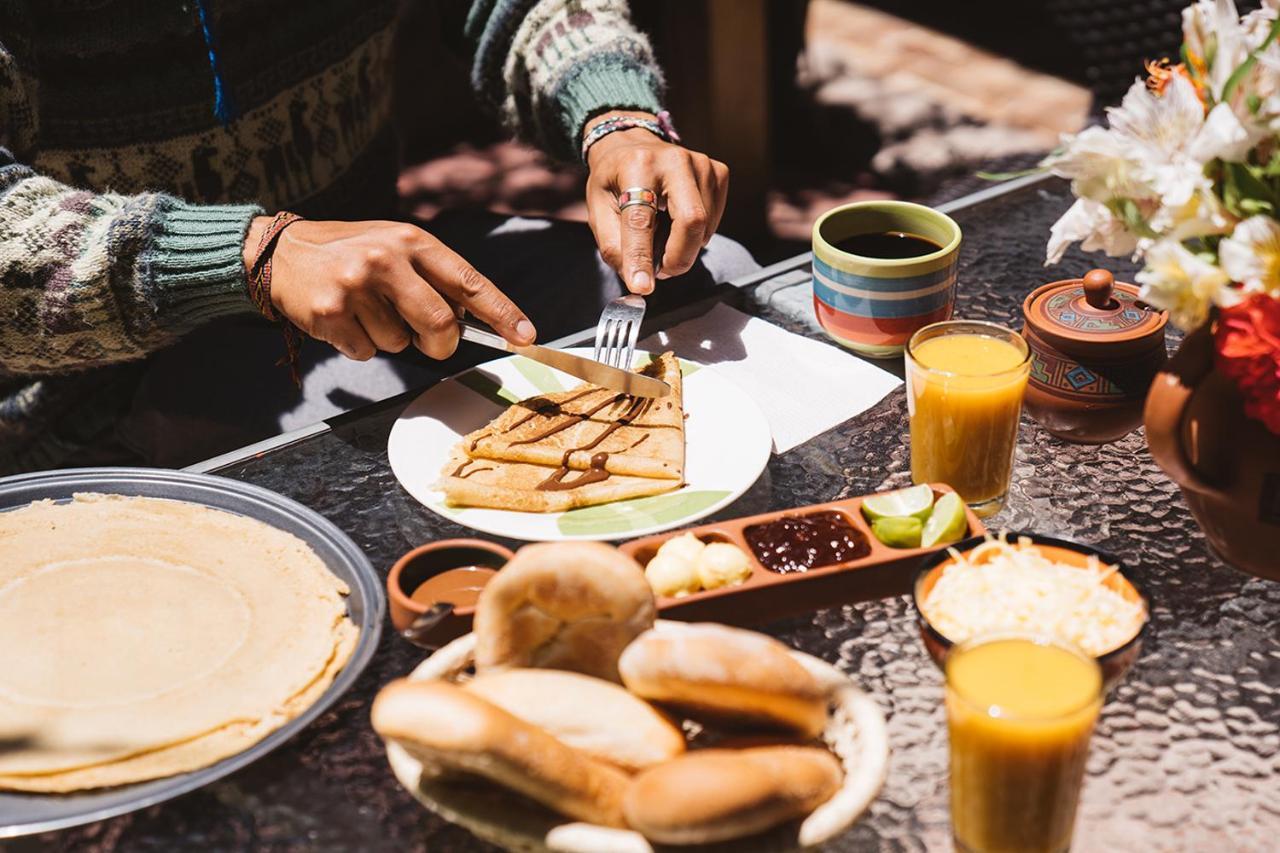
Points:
x=1020 y=713
x=965 y=382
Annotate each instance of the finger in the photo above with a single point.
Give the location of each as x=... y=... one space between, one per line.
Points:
x=689 y=218
x=720 y=196
x=433 y=321
x=347 y=336
x=457 y=280
x=383 y=325
x=635 y=231
x=602 y=217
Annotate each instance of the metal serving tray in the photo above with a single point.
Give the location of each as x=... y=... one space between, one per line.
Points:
x=23 y=814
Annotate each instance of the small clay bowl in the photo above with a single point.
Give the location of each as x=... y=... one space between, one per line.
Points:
x=1115 y=663
x=428 y=561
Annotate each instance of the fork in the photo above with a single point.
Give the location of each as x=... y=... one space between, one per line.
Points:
x=617 y=331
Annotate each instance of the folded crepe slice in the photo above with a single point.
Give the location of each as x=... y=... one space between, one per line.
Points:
x=575 y=448
x=515 y=486
x=626 y=435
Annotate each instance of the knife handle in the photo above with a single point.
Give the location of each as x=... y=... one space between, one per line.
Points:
x=483 y=337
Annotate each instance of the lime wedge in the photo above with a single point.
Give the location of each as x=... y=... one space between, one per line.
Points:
x=898 y=531
x=947 y=524
x=916 y=501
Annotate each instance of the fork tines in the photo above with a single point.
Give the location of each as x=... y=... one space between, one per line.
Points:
x=617 y=331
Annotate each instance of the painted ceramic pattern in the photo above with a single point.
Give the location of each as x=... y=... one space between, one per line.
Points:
x=1070 y=309
x=1071 y=379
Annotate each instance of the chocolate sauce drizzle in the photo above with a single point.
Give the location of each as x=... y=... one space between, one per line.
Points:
x=457 y=472
x=636 y=407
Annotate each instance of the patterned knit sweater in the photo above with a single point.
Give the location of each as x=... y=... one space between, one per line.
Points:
x=124 y=199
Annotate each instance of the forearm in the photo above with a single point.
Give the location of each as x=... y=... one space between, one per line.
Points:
x=91 y=279
x=550 y=67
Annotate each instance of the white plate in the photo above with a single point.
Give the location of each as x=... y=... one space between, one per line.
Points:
x=727 y=445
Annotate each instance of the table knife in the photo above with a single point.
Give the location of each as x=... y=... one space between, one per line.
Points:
x=627 y=381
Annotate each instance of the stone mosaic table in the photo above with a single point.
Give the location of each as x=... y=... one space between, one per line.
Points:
x=1187 y=753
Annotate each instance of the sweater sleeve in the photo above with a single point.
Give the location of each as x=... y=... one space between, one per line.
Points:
x=89 y=279
x=92 y=279
x=546 y=67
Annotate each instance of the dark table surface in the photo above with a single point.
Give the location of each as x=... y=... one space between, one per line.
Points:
x=1187 y=753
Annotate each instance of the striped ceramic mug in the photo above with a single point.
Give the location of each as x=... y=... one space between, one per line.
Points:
x=873 y=305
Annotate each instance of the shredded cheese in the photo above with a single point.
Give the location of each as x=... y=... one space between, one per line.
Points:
x=1003 y=587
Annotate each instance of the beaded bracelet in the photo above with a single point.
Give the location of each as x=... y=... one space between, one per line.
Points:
x=260 y=288
x=663 y=128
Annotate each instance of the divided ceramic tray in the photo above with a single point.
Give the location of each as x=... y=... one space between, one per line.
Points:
x=768 y=595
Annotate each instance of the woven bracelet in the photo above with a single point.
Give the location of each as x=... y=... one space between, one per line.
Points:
x=260 y=289
x=662 y=128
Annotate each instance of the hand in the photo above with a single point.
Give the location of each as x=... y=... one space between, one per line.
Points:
x=369 y=286
x=691 y=186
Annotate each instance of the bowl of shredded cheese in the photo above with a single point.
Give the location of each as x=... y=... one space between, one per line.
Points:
x=1027 y=583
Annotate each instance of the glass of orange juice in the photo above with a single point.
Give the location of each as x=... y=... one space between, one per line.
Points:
x=1020 y=712
x=965 y=381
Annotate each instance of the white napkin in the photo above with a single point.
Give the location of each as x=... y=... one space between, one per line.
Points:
x=803 y=386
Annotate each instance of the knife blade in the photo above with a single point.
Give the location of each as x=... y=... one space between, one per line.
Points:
x=626 y=381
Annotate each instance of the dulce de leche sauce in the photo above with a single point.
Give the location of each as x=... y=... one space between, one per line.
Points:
x=797 y=543
x=459 y=587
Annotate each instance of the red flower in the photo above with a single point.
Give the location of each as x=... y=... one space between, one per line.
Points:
x=1248 y=342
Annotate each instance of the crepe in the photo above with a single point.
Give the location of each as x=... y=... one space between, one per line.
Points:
x=148 y=637
x=582 y=447
x=642 y=437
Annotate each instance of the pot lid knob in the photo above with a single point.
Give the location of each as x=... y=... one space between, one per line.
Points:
x=1097 y=288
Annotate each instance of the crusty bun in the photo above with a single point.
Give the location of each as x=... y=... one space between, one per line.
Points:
x=590 y=714
x=447 y=728
x=712 y=795
x=562 y=605
x=725 y=675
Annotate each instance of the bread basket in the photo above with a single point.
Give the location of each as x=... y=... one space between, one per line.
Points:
x=855 y=733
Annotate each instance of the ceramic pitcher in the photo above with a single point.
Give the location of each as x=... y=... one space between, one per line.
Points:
x=1227 y=464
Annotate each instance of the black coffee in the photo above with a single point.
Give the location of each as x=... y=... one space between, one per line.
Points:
x=890 y=245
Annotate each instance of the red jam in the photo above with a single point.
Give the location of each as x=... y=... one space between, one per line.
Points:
x=797 y=543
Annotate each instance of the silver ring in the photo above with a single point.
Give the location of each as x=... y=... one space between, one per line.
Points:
x=633 y=196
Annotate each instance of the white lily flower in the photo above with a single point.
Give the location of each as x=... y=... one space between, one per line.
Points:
x=1202 y=215
x=1094 y=227
x=1212 y=28
x=1223 y=136
x=1182 y=283
x=1102 y=165
x=1251 y=255
x=1153 y=156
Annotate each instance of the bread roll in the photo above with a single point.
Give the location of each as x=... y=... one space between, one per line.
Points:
x=447 y=728
x=726 y=675
x=595 y=716
x=713 y=795
x=562 y=605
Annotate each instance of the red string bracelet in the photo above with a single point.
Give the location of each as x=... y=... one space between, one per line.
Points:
x=260 y=289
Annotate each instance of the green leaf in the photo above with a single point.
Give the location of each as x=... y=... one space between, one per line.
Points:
x=1008 y=176
x=621 y=517
x=1243 y=69
x=541 y=377
x=1128 y=212
x=486 y=386
x=1244 y=190
x=1272 y=168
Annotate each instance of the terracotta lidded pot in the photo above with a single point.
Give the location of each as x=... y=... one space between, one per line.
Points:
x=1095 y=347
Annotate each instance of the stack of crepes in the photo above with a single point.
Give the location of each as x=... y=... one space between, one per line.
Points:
x=586 y=446
x=146 y=637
